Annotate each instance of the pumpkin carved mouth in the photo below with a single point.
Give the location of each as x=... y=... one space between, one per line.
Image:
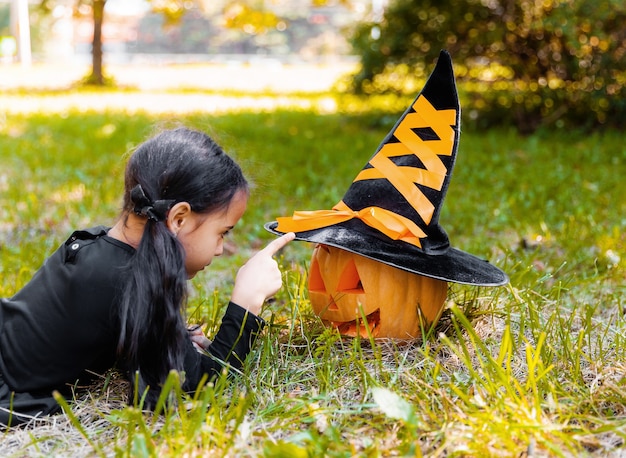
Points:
x=357 y=327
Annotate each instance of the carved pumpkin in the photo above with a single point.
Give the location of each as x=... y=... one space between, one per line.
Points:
x=345 y=287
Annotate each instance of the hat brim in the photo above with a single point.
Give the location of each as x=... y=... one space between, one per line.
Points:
x=451 y=264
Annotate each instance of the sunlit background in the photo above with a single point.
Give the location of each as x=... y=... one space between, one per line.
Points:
x=301 y=46
x=527 y=64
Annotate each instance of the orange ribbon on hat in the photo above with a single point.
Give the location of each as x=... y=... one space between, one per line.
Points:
x=394 y=226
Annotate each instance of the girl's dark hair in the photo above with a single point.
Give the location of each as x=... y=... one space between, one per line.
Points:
x=179 y=165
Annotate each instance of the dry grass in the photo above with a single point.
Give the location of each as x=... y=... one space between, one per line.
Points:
x=57 y=435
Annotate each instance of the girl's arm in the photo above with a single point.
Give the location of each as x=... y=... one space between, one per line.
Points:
x=257 y=279
x=229 y=349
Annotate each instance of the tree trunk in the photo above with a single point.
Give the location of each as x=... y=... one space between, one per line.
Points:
x=20 y=29
x=97 y=76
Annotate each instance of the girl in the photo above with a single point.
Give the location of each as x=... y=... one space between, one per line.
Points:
x=114 y=296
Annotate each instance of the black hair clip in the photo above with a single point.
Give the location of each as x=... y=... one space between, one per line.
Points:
x=155 y=211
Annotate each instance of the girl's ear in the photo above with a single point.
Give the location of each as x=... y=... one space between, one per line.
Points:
x=178 y=216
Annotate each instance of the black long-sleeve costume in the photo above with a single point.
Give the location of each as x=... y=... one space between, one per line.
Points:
x=64 y=324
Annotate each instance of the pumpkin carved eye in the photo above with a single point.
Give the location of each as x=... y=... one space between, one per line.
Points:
x=349 y=280
x=316 y=282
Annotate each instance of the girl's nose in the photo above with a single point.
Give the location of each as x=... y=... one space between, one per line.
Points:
x=219 y=249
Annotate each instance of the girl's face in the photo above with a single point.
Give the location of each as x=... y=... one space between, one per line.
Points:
x=202 y=235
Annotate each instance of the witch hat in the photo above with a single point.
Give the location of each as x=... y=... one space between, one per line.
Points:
x=391 y=211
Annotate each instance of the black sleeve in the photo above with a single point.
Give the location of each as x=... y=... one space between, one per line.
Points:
x=229 y=348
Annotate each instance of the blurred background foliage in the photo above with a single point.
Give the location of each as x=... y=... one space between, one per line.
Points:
x=530 y=64
x=527 y=63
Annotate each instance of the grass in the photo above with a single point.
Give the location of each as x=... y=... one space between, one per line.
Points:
x=532 y=369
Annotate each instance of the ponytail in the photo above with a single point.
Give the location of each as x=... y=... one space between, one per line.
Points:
x=153 y=332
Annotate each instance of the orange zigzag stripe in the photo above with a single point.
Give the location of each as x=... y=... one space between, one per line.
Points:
x=404 y=178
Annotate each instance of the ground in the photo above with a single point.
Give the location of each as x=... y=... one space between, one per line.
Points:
x=241 y=76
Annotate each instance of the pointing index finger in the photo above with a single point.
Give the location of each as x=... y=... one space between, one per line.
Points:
x=272 y=248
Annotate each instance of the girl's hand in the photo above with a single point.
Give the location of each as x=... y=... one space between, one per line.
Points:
x=198 y=338
x=259 y=278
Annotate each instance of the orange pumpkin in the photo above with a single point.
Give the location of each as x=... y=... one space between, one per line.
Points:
x=345 y=287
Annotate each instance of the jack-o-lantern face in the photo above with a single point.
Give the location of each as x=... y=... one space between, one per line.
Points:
x=345 y=289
